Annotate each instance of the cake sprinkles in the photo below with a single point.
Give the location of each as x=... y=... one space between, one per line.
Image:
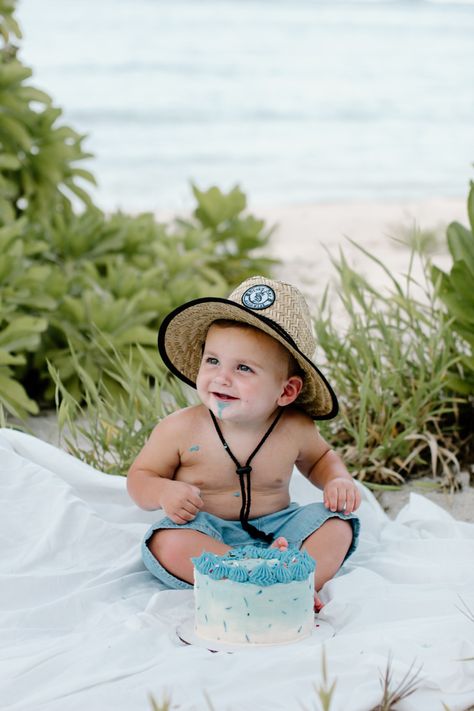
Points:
x=254 y=595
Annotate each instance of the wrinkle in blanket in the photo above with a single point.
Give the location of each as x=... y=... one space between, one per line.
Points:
x=84 y=625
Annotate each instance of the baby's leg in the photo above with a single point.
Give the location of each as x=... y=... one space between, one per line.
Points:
x=282 y=544
x=174 y=548
x=328 y=546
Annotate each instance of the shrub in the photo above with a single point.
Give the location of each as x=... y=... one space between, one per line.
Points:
x=105 y=430
x=97 y=283
x=38 y=154
x=390 y=366
x=81 y=281
x=457 y=293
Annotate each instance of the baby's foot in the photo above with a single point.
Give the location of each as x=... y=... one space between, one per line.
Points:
x=318 y=603
x=280 y=543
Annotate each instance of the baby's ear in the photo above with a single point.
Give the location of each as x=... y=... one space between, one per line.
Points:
x=291 y=390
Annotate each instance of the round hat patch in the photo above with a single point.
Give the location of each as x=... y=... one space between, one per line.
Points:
x=258 y=297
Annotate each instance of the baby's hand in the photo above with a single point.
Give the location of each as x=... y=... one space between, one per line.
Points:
x=341 y=494
x=180 y=501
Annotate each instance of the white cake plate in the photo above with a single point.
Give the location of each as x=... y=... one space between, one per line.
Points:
x=185 y=631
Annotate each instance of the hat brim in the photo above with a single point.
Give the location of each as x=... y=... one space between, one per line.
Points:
x=183 y=332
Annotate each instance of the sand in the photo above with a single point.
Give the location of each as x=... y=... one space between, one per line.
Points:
x=302 y=236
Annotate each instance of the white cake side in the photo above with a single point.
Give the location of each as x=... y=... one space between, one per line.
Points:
x=244 y=613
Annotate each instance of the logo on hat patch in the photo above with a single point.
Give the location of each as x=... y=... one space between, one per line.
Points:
x=258 y=297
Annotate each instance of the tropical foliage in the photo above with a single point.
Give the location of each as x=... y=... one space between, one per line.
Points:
x=391 y=364
x=74 y=280
x=456 y=290
x=83 y=293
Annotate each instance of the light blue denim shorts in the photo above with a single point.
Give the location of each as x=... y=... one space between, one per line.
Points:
x=295 y=523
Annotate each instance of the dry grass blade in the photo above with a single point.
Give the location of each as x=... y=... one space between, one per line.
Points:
x=164 y=705
x=441 y=458
x=467 y=612
x=208 y=701
x=325 y=692
x=407 y=686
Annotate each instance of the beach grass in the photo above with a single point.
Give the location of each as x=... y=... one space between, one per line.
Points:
x=389 y=358
x=388 y=362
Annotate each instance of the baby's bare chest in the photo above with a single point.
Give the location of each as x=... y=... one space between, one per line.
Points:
x=208 y=465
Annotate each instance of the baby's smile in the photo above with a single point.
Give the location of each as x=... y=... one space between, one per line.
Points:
x=223 y=397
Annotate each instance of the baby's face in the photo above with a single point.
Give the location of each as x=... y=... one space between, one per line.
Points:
x=243 y=373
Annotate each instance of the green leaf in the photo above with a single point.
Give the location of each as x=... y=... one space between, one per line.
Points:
x=7 y=213
x=463 y=386
x=13 y=131
x=470 y=207
x=461 y=245
x=136 y=335
x=462 y=282
x=215 y=207
x=22 y=333
x=13 y=73
x=30 y=93
x=85 y=174
x=8 y=161
x=14 y=398
x=9 y=359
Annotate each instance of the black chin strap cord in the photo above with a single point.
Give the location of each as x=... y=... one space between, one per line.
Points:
x=243 y=473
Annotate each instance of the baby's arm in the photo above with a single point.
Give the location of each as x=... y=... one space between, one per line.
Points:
x=325 y=469
x=150 y=480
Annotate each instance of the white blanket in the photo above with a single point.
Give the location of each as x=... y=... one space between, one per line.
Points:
x=85 y=627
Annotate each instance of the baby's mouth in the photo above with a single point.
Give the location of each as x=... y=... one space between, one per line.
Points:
x=222 y=397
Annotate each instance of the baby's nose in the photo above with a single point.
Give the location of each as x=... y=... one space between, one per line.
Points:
x=223 y=376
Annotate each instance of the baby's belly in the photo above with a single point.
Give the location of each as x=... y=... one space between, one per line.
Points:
x=227 y=504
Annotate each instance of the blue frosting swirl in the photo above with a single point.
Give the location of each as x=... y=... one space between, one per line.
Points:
x=274 y=566
x=283 y=575
x=262 y=575
x=237 y=574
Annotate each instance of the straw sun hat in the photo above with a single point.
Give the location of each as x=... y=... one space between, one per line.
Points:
x=275 y=308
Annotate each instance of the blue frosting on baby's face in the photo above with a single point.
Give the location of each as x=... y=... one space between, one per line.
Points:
x=257 y=565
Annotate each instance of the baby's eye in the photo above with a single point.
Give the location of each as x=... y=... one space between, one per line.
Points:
x=211 y=360
x=244 y=368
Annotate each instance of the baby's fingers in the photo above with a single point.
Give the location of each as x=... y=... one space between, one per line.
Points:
x=194 y=498
x=182 y=516
x=331 y=500
x=340 y=498
x=350 y=503
x=352 y=496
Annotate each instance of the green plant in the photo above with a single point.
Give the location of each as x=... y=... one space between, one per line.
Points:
x=163 y=705
x=97 y=282
x=325 y=691
x=457 y=293
x=392 y=696
x=38 y=154
x=232 y=234
x=20 y=333
x=107 y=431
x=389 y=363
x=83 y=280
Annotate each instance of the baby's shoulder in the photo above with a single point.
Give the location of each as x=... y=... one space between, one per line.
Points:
x=297 y=419
x=300 y=427
x=183 y=416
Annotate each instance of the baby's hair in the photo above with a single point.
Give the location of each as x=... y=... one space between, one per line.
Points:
x=293 y=366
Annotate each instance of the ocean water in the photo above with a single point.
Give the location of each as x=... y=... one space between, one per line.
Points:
x=296 y=101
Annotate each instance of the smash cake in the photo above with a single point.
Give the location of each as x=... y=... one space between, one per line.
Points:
x=254 y=596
